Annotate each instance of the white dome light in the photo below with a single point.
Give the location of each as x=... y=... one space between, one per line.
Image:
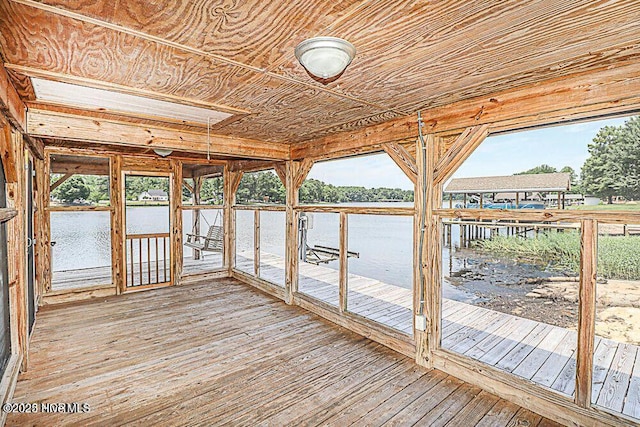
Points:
x=162 y=152
x=325 y=57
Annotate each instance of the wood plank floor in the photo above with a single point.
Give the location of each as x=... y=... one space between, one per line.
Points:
x=222 y=353
x=87 y=277
x=533 y=350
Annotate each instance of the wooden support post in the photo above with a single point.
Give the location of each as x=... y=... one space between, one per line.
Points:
x=428 y=196
x=118 y=250
x=291 y=239
x=177 y=252
x=195 y=220
x=231 y=182
x=17 y=252
x=450 y=200
x=587 y=312
x=256 y=243
x=559 y=199
x=518 y=200
x=43 y=272
x=344 y=267
x=295 y=174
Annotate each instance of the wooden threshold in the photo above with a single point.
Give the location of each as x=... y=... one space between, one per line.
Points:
x=221 y=352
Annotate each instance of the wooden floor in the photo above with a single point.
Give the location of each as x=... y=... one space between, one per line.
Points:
x=88 y=277
x=539 y=352
x=222 y=353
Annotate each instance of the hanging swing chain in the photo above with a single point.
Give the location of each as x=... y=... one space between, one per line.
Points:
x=215 y=220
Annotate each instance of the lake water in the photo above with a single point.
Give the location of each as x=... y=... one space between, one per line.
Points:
x=384 y=242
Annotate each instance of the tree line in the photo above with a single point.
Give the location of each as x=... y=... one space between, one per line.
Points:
x=260 y=187
x=267 y=187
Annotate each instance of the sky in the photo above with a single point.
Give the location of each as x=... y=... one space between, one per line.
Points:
x=507 y=154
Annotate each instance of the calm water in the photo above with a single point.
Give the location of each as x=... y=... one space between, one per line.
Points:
x=384 y=242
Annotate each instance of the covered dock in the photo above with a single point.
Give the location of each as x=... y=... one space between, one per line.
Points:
x=518 y=190
x=116 y=310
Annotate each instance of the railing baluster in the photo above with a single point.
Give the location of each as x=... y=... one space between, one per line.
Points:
x=131 y=253
x=164 y=258
x=149 y=259
x=140 y=258
x=157 y=263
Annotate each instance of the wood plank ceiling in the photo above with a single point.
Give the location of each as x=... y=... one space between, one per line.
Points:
x=237 y=56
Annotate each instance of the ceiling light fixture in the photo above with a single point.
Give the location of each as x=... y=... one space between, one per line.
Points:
x=325 y=57
x=162 y=152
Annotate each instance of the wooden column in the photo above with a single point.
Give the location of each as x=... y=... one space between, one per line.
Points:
x=231 y=182
x=295 y=174
x=587 y=312
x=176 y=220
x=256 y=243
x=195 y=220
x=344 y=235
x=291 y=238
x=428 y=196
x=43 y=255
x=17 y=252
x=118 y=251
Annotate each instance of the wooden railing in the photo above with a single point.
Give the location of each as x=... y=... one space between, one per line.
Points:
x=157 y=259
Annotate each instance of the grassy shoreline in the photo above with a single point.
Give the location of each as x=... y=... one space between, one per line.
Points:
x=618 y=256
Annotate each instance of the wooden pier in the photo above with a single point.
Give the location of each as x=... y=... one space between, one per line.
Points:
x=542 y=353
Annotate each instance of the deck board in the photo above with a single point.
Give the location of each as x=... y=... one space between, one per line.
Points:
x=221 y=352
x=97 y=276
x=542 y=353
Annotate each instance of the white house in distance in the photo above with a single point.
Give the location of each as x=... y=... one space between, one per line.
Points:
x=153 y=195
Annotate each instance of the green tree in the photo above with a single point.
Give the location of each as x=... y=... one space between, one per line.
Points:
x=72 y=190
x=98 y=187
x=611 y=168
x=572 y=173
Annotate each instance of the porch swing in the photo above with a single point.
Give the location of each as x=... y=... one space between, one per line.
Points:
x=211 y=242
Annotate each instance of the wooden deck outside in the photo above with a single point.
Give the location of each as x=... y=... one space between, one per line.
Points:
x=539 y=352
x=222 y=353
x=86 y=277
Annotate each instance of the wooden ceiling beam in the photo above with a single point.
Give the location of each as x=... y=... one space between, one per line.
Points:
x=359 y=141
x=9 y=162
x=79 y=166
x=49 y=124
x=197 y=171
x=251 y=165
x=11 y=105
x=605 y=92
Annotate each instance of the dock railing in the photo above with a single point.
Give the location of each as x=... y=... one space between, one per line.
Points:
x=148 y=259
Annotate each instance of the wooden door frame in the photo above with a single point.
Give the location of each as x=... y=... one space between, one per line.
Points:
x=123 y=197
